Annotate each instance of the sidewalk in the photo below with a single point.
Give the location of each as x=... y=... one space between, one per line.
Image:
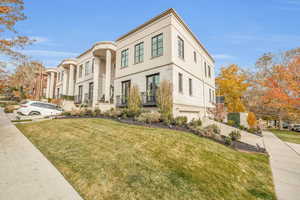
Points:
x=285 y=164
x=24 y=172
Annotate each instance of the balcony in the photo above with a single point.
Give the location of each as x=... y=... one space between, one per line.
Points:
x=147 y=100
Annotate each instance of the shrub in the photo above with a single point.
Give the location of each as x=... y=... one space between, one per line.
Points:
x=66 y=113
x=9 y=109
x=234 y=117
x=149 y=117
x=230 y=122
x=215 y=129
x=235 y=135
x=180 y=121
x=195 y=123
x=164 y=98
x=88 y=112
x=96 y=112
x=75 y=113
x=228 y=140
x=114 y=113
x=134 y=102
x=251 y=119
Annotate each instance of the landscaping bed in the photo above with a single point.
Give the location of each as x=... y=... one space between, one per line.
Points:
x=107 y=159
x=210 y=132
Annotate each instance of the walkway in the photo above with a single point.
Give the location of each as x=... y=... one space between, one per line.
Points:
x=24 y=172
x=285 y=164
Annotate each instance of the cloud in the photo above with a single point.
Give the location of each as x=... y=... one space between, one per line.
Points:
x=223 y=56
x=46 y=53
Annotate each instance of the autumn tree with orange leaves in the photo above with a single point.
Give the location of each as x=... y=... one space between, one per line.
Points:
x=11 y=12
x=276 y=86
x=231 y=84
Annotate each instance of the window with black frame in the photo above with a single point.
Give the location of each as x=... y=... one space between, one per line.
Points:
x=80 y=93
x=91 y=91
x=152 y=82
x=125 y=91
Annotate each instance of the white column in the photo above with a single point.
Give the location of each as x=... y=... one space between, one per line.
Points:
x=71 y=80
x=48 y=86
x=107 y=75
x=65 y=82
x=96 y=80
x=52 y=76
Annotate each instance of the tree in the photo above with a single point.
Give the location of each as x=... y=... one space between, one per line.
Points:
x=24 y=77
x=164 y=97
x=232 y=85
x=275 y=90
x=134 y=100
x=11 y=11
x=251 y=119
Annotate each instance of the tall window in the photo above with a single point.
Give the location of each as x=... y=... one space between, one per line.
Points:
x=93 y=65
x=195 y=57
x=124 y=58
x=180 y=89
x=80 y=71
x=180 y=48
x=80 y=93
x=152 y=82
x=190 y=86
x=157 y=45
x=62 y=75
x=139 y=53
x=205 y=69
x=209 y=72
x=87 y=69
x=125 y=91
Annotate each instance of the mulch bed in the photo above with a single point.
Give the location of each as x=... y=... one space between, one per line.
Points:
x=237 y=145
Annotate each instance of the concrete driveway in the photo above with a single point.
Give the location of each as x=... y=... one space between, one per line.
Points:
x=285 y=165
x=24 y=172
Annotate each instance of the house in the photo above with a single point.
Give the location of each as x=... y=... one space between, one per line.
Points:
x=163 y=48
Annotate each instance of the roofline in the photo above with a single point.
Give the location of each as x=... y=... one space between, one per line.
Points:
x=167 y=12
x=97 y=43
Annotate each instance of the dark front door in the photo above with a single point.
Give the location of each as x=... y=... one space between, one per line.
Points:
x=125 y=91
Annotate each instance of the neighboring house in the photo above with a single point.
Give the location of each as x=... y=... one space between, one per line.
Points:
x=163 y=48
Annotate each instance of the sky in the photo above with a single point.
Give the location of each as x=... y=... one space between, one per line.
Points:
x=233 y=31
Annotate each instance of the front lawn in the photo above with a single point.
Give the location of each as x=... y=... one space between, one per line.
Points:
x=287 y=136
x=105 y=159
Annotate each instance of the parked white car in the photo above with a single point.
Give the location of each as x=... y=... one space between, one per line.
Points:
x=39 y=108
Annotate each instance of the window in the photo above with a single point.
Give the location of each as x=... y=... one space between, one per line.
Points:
x=180 y=48
x=91 y=89
x=157 y=45
x=209 y=71
x=190 y=87
x=152 y=83
x=205 y=69
x=124 y=58
x=180 y=83
x=209 y=95
x=139 y=53
x=80 y=71
x=195 y=57
x=87 y=68
x=93 y=65
x=125 y=91
x=62 y=75
x=80 y=92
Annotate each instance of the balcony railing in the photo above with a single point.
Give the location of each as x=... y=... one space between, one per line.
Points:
x=147 y=100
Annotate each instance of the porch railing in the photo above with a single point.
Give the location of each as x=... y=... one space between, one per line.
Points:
x=147 y=100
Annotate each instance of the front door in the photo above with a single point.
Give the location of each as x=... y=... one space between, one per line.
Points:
x=125 y=91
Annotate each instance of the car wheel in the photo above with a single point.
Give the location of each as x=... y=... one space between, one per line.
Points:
x=34 y=113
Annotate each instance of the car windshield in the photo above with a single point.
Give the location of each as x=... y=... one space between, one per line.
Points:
x=297 y=126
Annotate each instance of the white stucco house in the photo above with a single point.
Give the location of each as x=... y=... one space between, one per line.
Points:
x=163 y=48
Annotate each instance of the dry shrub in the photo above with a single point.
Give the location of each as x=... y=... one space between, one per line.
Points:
x=165 y=100
x=134 y=101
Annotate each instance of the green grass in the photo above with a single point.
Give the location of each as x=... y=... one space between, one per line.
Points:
x=104 y=159
x=288 y=136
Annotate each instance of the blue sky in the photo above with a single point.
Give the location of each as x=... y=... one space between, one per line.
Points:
x=233 y=31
